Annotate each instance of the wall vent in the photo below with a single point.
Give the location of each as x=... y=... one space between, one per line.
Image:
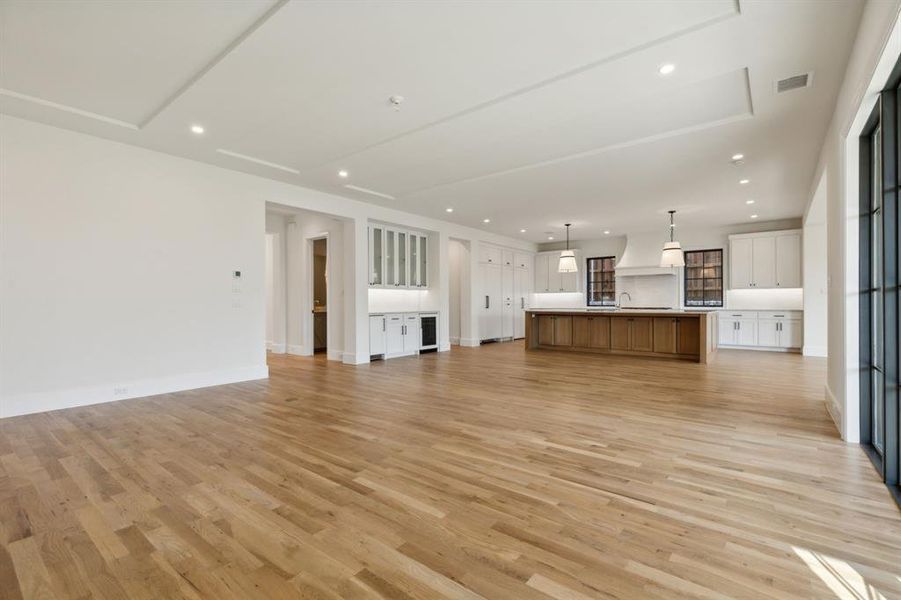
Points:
x=794 y=82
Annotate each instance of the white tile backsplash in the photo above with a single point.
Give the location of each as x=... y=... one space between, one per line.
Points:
x=649 y=290
x=383 y=300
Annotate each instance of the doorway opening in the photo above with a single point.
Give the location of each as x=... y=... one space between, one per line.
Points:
x=319 y=301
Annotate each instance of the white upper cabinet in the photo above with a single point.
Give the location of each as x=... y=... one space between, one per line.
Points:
x=490 y=254
x=765 y=260
x=398 y=258
x=788 y=263
x=549 y=279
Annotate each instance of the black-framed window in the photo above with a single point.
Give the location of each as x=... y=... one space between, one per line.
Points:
x=601 y=284
x=704 y=277
x=880 y=225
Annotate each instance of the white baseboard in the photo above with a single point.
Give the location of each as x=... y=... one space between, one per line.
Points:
x=834 y=410
x=296 y=350
x=760 y=348
x=275 y=348
x=349 y=358
x=455 y=341
x=335 y=354
x=815 y=351
x=470 y=342
x=23 y=404
x=444 y=347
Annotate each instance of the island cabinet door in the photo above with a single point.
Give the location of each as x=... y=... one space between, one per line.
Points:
x=563 y=331
x=689 y=336
x=582 y=332
x=620 y=338
x=665 y=335
x=546 y=330
x=599 y=332
x=642 y=334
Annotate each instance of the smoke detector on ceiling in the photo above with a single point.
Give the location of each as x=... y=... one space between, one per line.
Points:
x=794 y=82
x=395 y=101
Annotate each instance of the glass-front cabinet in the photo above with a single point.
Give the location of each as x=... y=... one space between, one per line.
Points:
x=397 y=258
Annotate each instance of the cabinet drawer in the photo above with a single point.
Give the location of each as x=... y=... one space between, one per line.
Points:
x=738 y=314
x=780 y=314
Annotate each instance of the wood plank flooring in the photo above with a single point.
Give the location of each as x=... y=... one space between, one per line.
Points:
x=480 y=473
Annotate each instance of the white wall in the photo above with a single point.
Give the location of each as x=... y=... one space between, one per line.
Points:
x=815 y=251
x=276 y=294
x=875 y=51
x=117 y=272
x=118 y=260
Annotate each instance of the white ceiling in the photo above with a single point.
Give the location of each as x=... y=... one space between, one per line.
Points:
x=529 y=113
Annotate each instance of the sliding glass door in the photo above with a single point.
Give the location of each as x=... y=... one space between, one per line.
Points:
x=879 y=288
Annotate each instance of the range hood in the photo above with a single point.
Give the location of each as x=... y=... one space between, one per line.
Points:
x=641 y=257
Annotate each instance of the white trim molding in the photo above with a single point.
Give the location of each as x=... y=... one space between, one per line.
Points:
x=470 y=342
x=820 y=351
x=835 y=410
x=23 y=404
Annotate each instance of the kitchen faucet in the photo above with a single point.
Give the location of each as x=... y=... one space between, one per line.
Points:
x=619 y=301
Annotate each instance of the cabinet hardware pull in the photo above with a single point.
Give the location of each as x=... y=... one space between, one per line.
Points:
x=487 y=302
x=383 y=324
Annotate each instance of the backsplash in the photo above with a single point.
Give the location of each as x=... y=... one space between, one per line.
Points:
x=649 y=290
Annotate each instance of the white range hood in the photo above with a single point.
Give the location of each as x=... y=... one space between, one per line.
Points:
x=641 y=257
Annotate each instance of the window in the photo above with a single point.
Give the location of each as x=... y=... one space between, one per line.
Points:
x=880 y=287
x=601 y=281
x=704 y=277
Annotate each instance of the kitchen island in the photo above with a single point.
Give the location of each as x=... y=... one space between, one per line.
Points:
x=686 y=335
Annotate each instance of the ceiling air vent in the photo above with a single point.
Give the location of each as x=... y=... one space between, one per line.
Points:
x=794 y=82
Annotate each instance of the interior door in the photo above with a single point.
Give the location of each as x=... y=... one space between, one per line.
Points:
x=788 y=261
x=740 y=263
x=763 y=262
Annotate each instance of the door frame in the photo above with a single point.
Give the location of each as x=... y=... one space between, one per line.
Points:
x=307 y=297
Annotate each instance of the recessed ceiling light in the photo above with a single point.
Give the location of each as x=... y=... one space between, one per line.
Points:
x=486 y=220
x=550 y=237
x=448 y=209
x=522 y=230
x=343 y=174
x=606 y=232
x=666 y=69
x=198 y=129
x=753 y=216
x=744 y=181
x=737 y=156
x=749 y=202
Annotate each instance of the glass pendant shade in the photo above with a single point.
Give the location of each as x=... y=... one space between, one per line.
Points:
x=567 y=262
x=672 y=255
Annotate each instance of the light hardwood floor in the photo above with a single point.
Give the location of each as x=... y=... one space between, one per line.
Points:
x=486 y=472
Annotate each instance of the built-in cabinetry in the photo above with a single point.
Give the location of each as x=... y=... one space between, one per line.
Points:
x=549 y=279
x=765 y=260
x=688 y=335
x=397 y=334
x=761 y=329
x=505 y=279
x=398 y=258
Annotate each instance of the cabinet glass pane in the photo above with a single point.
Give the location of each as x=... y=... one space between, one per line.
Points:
x=401 y=258
x=423 y=262
x=414 y=260
x=377 y=254
x=390 y=257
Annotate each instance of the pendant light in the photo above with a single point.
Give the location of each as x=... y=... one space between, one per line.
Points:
x=672 y=251
x=567 y=257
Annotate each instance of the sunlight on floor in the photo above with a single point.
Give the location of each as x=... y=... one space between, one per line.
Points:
x=839 y=576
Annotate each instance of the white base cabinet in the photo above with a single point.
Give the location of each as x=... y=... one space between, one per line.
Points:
x=776 y=330
x=394 y=334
